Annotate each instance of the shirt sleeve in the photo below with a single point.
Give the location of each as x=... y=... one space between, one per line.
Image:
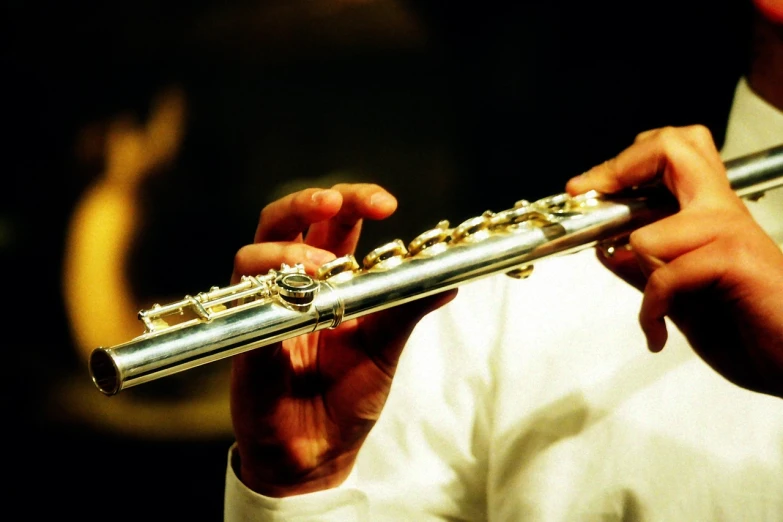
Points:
x=344 y=503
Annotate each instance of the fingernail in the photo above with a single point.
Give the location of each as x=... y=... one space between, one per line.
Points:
x=318 y=197
x=381 y=199
x=654 y=346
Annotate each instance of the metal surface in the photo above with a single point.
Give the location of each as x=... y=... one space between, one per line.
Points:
x=285 y=303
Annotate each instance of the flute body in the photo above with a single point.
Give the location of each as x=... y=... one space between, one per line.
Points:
x=285 y=303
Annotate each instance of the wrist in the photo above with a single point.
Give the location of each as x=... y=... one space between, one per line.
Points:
x=279 y=481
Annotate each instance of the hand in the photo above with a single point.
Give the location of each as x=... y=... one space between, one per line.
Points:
x=302 y=408
x=709 y=267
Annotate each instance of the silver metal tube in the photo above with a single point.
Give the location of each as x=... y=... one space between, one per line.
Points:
x=287 y=303
x=754 y=174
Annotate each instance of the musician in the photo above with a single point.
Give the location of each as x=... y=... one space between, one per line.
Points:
x=535 y=399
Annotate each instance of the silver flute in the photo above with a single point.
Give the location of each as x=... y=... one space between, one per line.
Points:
x=285 y=303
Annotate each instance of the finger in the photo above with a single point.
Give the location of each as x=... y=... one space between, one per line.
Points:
x=693 y=271
x=259 y=258
x=394 y=326
x=289 y=217
x=686 y=231
x=701 y=139
x=671 y=237
x=360 y=201
x=646 y=134
x=698 y=136
x=685 y=170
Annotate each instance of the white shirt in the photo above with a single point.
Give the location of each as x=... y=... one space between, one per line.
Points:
x=754 y=125
x=538 y=400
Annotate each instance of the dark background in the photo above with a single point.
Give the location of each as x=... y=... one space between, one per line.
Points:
x=455 y=109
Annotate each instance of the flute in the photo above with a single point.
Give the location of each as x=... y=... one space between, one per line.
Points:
x=285 y=303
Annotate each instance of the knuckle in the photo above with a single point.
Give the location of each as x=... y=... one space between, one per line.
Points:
x=669 y=136
x=671 y=141
x=638 y=241
x=646 y=134
x=700 y=133
x=657 y=282
x=647 y=253
x=740 y=249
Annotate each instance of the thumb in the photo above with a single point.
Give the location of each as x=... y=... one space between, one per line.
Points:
x=393 y=326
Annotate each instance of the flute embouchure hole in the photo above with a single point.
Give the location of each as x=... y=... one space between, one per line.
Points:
x=104 y=372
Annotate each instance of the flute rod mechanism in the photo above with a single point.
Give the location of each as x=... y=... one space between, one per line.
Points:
x=264 y=309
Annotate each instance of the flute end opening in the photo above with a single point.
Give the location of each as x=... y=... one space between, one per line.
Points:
x=104 y=372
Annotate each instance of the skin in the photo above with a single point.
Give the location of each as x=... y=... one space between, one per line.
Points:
x=709 y=267
x=711 y=256
x=772 y=10
x=303 y=408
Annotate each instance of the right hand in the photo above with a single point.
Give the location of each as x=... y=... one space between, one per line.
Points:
x=709 y=267
x=302 y=408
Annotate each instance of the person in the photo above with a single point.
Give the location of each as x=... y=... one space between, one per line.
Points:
x=532 y=399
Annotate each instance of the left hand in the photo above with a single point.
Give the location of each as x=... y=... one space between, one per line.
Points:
x=303 y=407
